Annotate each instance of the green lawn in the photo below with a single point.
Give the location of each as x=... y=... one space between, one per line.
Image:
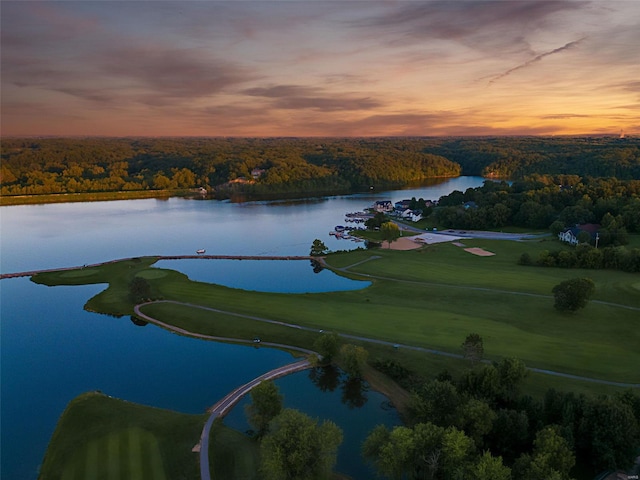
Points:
x=99 y=437
x=432 y=297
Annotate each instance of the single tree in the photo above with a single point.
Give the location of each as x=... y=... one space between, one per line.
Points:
x=353 y=359
x=390 y=232
x=297 y=448
x=573 y=294
x=473 y=348
x=512 y=372
x=551 y=459
x=488 y=467
x=266 y=404
x=327 y=346
x=318 y=248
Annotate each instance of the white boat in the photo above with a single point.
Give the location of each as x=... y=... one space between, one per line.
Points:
x=201 y=251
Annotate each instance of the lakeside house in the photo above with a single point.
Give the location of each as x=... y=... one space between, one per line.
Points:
x=570 y=235
x=383 y=206
x=402 y=205
x=412 y=215
x=257 y=173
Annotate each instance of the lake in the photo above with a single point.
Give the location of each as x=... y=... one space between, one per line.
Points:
x=52 y=350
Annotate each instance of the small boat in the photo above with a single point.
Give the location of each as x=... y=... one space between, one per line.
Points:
x=201 y=251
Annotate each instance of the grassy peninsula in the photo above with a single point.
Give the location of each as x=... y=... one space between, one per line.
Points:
x=432 y=298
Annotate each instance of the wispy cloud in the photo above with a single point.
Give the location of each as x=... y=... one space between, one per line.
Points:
x=296 y=97
x=480 y=25
x=535 y=59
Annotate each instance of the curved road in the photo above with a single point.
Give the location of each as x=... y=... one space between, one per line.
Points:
x=221 y=408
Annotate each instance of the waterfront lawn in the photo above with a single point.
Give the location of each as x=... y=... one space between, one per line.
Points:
x=99 y=437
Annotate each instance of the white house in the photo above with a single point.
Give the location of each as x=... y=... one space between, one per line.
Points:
x=412 y=215
x=568 y=236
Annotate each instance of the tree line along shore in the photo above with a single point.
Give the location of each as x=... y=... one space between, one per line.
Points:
x=110 y=168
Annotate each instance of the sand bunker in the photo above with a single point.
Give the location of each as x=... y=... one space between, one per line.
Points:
x=403 y=243
x=481 y=252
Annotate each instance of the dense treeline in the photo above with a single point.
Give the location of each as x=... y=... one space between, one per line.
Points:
x=507 y=157
x=295 y=166
x=222 y=166
x=545 y=201
x=586 y=256
x=480 y=426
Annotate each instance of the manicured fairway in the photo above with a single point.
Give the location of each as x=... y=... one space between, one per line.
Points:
x=103 y=438
x=130 y=453
x=432 y=298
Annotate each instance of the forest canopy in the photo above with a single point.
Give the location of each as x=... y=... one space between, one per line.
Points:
x=295 y=166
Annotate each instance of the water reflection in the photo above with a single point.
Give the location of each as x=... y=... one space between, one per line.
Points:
x=353 y=390
x=326 y=379
x=316 y=266
x=138 y=322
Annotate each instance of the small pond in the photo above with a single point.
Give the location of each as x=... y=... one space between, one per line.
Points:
x=276 y=276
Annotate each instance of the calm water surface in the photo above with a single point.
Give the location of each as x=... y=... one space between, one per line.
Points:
x=299 y=276
x=52 y=350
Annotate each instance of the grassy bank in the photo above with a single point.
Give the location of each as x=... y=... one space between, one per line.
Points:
x=7 y=200
x=102 y=437
x=432 y=297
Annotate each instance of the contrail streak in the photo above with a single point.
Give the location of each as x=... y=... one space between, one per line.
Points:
x=535 y=59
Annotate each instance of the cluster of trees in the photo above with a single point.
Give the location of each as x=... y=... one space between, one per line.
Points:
x=481 y=427
x=293 y=446
x=587 y=256
x=224 y=166
x=545 y=201
x=517 y=157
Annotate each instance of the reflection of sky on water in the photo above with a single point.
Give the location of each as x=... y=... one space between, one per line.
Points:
x=353 y=406
x=278 y=276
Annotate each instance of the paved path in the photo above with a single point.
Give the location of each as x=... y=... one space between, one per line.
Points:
x=221 y=408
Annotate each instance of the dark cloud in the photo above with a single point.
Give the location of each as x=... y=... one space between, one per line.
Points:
x=476 y=24
x=535 y=59
x=173 y=73
x=296 y=97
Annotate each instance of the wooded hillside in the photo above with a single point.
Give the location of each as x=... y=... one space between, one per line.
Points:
x=294 y=166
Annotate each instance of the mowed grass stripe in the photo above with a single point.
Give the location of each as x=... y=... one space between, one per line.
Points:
x=69 y=472
x=136 y=468
x=91 y=465
x=113 y=456
x=154 y=458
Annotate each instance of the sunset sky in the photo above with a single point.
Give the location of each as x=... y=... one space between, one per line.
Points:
x=320 y=68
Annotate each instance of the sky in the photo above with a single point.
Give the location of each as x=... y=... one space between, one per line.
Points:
x=320 y=68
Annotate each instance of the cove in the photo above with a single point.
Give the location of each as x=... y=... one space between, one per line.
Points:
x=276 y=276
